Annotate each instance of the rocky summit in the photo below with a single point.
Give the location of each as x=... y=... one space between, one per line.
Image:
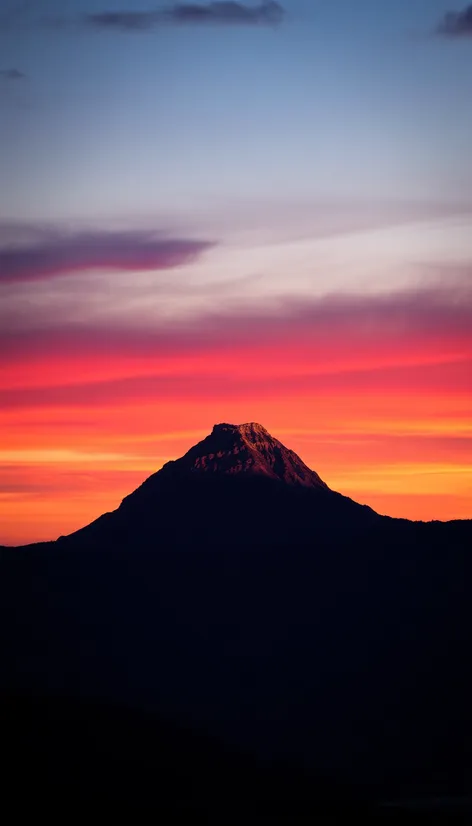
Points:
x=246 y=449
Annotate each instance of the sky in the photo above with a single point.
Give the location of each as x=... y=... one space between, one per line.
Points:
x=234 y=211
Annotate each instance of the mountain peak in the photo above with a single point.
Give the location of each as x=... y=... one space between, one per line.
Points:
x=249 y=449
x=250 y=430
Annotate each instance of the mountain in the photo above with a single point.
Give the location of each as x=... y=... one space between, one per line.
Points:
x=238 y=486
x=245 y=449
x=234 y=595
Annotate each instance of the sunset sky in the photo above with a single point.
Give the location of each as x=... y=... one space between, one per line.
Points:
x=234 y=212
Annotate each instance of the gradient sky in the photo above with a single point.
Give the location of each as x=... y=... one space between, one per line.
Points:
x=266 y=215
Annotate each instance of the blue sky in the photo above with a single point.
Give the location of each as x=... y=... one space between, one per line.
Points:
x=343 y=100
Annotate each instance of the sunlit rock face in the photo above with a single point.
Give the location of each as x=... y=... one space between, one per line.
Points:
x=247 y=449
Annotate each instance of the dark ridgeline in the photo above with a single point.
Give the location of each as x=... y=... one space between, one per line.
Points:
x=238 y=641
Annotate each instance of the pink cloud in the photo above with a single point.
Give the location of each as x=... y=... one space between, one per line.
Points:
x=431 y=315
x=421 y=340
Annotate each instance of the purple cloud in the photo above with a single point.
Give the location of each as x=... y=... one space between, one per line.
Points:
x=220 y=12
x=227 y=12
x=127 y=21
x=51 y=254
x=10 y=75
x=457 y=24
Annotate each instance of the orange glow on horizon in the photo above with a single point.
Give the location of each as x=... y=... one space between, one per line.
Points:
x=385 y=419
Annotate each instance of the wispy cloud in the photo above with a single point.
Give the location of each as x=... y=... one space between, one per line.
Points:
x=456 y=24
x=433 y=313
x=221 y=13
x=126 y=21
x=53 y=253
x=11 y=75
x=216 y=13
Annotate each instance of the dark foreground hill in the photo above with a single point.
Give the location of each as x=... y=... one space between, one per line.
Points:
x=236 y=597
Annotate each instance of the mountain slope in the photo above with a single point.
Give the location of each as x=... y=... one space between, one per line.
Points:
x=239 y=485
x=246 y=449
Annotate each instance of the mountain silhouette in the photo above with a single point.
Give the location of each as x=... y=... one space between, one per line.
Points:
x=236 y=596
x=238 y=485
